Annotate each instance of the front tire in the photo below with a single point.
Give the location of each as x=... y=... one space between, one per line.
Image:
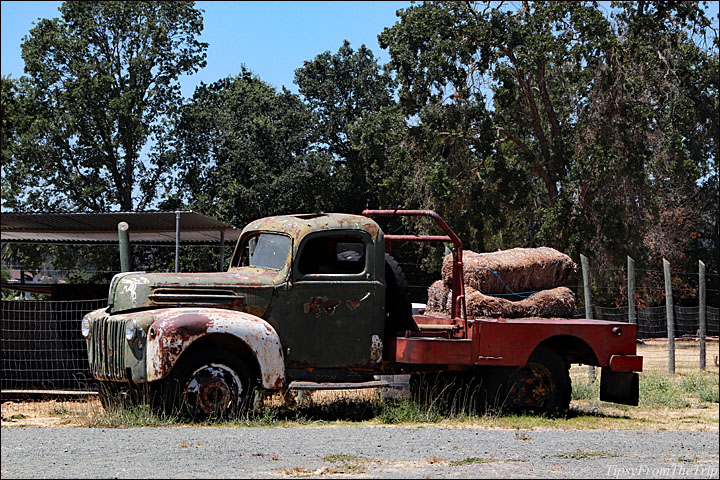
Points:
x=215 y=384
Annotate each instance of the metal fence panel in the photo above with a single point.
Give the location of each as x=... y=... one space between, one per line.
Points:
x=42 y=348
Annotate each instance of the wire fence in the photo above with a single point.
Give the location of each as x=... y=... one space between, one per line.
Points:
x=42 y=348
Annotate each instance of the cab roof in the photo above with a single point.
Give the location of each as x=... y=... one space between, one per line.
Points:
x=299 y=225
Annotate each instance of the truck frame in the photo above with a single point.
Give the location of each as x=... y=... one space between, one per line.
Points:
x=318 y=298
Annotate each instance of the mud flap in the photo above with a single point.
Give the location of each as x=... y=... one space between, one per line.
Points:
x=619 y=387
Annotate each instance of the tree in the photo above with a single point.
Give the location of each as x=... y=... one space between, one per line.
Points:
x=101 y=85
x=356 y=121
x=608 y=130
x=244 y=151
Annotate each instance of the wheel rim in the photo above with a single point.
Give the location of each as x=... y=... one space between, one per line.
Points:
x=532 y=387
x=212 y=389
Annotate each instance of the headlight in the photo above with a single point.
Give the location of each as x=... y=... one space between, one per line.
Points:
x=85 y=327
x=130 y=330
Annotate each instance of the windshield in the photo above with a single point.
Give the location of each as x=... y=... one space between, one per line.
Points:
x=265 y=250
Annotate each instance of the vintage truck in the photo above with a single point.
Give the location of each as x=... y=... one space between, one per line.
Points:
x=318 y=298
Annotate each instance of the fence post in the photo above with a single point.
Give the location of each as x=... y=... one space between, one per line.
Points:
x=631 y=289
x=124 y=243
x=222 y=251
x=177 y=242
x=670 y=317
x=702 y=313
x=588 y=304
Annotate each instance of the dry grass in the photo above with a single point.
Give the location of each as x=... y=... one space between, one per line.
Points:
x=362 y=405
x=51 y=413
x=687 y=354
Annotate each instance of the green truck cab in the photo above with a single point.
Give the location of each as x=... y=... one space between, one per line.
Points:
x=316 y=298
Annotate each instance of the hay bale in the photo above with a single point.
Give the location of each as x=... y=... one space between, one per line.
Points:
x=556 y=302
x=515 y=270
x=438 y=296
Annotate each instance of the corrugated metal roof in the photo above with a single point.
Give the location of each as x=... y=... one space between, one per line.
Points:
x=145 y=227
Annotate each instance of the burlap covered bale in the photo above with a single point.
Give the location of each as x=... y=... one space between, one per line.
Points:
x=438 y=296
x=556 y=302
x=516 y=270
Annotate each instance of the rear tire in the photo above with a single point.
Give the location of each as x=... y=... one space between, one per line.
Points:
x=542 y=385
x=208 y=384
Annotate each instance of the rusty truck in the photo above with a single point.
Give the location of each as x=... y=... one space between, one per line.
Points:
x=318 y=299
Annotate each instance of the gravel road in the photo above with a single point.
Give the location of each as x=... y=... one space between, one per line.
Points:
x=355 y=451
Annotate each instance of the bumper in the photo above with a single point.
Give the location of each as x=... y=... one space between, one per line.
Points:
x=626 y=363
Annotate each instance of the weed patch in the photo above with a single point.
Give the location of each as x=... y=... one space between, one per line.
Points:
x=472 y=460
x=586 y=454
x=347 y=463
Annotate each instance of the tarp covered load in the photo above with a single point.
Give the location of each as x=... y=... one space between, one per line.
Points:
x=556 y=302
x=518 y=270
x=535 y=278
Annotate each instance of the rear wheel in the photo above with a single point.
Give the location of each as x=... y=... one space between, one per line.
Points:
x=214 y=384
x=542 y=385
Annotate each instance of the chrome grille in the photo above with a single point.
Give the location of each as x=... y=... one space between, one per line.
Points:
x=107 y=347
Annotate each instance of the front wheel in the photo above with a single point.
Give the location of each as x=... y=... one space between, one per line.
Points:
x=214 y=384
x=542 y=384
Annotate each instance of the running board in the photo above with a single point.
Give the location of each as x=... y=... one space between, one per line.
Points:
x=345 y=386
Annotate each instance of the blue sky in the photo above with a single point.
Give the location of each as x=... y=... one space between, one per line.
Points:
x=272 y=39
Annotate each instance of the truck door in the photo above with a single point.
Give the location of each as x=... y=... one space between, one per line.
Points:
x=332 y=300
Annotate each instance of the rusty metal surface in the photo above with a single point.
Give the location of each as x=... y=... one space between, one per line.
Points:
x=510 y=342
x=298 y=226
x=175 y=329
x=433 y=351
x=626 y=363
x=238 y=290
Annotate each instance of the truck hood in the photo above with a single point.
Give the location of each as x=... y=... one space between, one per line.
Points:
x=244 y=289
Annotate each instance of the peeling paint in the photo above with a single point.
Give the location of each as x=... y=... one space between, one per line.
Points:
x=376 y=349
x=177 y=328
x=319 y=306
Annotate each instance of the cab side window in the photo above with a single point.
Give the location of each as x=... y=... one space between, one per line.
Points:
x=333 y=255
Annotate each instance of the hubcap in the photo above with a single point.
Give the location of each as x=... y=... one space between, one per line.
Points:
x=212 y=389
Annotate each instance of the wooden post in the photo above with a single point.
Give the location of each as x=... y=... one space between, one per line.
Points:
x=702 y=313
x=631 y=290
x=670 y=317
x=222 y=251
x=588 y=304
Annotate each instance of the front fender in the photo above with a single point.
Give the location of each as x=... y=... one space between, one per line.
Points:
x=177 y=328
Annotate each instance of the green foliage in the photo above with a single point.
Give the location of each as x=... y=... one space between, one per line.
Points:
x=243 y=151
x=600 y=139
x=102 y=80
x=661 y=390
x=356 y=123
